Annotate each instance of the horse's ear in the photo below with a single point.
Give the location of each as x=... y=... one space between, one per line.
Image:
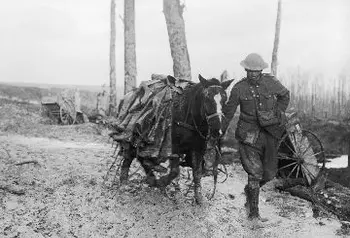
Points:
x=202 y=80
x=226 y=83
x=170 y=80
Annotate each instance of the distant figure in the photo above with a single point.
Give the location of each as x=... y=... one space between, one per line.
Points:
x=263 y=101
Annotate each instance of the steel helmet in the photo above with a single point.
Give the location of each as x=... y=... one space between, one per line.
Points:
x=254 y=62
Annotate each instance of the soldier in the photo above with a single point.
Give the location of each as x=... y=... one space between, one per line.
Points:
x=263 y=101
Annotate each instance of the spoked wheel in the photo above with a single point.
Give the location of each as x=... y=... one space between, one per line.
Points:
x=67 y=113
x=300 y=155
x=65 y=116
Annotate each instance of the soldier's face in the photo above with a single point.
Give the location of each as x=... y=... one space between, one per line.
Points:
x=253 y=74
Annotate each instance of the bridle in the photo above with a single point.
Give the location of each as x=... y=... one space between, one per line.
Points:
x=214 y=115
x=207 y=117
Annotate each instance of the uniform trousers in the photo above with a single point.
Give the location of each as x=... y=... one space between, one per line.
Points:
x=259 y=160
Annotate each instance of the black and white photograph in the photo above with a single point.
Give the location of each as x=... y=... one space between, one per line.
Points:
x=174 y=118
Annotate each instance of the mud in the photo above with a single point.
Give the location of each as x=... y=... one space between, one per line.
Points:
x=65 y=196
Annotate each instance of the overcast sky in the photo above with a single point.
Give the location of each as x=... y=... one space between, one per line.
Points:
x=67 y=41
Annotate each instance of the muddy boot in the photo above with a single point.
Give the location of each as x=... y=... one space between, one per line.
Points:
x=256 y=222
x=254 y=203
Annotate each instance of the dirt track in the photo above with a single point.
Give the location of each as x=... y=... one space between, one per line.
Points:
x=65 y=197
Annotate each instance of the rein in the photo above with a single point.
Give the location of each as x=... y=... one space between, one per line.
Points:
x=195 y=127
x=214 y=115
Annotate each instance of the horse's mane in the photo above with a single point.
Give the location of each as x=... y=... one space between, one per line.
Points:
x=193 y=91
x=190 y=95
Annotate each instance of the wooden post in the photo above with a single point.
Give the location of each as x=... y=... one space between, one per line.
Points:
x=130 y=70
x=339 y=101
x=313 y=99
x=348 y=152
x=173 y=12
x=274 y=61
x=112 y=73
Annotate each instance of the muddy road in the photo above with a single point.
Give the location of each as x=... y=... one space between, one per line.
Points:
x=65 y=197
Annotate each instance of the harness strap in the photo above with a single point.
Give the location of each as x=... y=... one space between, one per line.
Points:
x=195 y=127
x=185 y=125
x=214 y=115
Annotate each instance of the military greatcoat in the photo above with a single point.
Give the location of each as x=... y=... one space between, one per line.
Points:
x=257 y=144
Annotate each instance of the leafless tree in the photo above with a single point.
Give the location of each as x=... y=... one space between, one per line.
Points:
x=173 y=12
x=112 y=73
x=274 y=61
x=130 y=71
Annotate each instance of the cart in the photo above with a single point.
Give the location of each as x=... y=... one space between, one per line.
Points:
x=60 y=108
x=300 y=153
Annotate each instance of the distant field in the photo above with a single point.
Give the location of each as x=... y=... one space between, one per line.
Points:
x=33 y=93
x=92 y=88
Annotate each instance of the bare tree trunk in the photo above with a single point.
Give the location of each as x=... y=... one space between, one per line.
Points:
x=130 y=71
x=112 y=74
x=348 y=153
x=277 y=39
x=173 y=12
x=339 y=100
x=313 y=99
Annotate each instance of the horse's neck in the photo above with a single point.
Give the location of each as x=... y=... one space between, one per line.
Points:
x=194 y=111
x=188 y=106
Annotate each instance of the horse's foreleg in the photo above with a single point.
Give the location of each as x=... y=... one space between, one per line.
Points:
x=197 y=159
x=215 y=170
x=128 y=158
x=174 y=167
x=150 y=179
x=174 y=172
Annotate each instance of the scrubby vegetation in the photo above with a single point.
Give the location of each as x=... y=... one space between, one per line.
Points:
x=333 y=135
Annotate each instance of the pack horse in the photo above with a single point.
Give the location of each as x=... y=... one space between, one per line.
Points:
x=170 y=119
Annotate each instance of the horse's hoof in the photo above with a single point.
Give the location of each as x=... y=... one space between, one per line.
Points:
x=257 y=222
x=124 y=187
x=199 y=199
x=123 y=181
x=199 y=202
x=151 y=181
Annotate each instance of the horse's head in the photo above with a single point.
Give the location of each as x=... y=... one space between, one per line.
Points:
x=214 y=97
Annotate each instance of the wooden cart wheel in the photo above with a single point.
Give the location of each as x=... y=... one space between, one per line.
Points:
x=68 y=113
x=65 y=116
x=300 y=155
